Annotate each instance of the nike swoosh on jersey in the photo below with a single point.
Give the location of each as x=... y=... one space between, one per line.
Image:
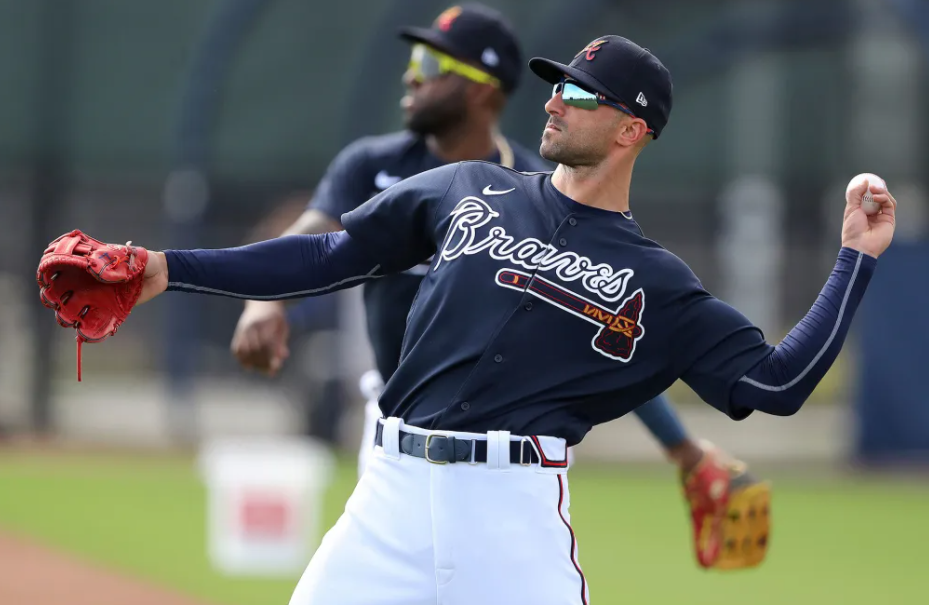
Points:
x=489 y=191
x=382 y=180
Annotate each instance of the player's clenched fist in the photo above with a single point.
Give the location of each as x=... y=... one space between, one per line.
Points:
x=868 y=229
x=260 y=338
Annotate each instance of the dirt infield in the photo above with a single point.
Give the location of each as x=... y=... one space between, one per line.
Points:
x=31 y=574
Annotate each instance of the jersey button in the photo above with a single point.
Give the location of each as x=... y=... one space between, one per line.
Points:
x=498 y=357
x=572 y=221
x=563 y=242
x=528 y=306
x=465 y=406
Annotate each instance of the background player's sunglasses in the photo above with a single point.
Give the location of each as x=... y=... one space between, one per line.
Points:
x=574 y=94
x=427 y=63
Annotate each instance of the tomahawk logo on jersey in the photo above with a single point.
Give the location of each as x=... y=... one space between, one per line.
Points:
x=619 y=330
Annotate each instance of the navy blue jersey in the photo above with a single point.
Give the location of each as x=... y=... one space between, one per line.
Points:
x=600 y=318
x=537 y=314
x=365 y=168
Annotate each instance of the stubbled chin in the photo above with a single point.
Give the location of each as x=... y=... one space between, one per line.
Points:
x=545 y=148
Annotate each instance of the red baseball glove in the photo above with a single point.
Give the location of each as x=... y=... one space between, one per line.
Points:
x=730 y=511
x=92 y=286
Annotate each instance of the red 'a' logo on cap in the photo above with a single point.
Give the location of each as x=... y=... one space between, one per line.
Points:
x=590 y=49
x=444 y=21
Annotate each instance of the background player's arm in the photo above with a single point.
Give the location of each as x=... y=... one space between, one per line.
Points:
x=259 y=341
x=313 y=222
x=662 y=421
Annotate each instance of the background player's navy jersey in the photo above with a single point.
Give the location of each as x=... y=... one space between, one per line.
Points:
x=364 y=169
x=601 y=318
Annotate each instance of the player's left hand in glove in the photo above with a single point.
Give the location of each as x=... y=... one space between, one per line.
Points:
x=730 y=511
x=92 y=286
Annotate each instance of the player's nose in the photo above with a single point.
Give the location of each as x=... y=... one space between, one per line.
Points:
x=555 y=106
x=410 y=80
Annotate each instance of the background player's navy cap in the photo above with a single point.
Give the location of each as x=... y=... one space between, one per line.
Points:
x=620 y=70
x=477 y=34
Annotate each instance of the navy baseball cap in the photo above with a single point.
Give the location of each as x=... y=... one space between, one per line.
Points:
x=620 y=70
x=476 y=34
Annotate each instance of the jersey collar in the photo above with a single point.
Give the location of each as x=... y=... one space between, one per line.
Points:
x=621 y=218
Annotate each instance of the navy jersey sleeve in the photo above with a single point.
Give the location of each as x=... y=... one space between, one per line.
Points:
x=398 y=226
x=347 y=182
x=725 y=359
x=292 y=266
x=716 y=345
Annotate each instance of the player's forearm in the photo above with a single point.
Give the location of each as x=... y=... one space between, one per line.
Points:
x=662 y=421
x=313 y=222
x=287 y=267
x=783 y=381
x=310 y=222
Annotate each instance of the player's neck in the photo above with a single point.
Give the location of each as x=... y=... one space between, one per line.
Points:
x=604 y=187
x=466 y=142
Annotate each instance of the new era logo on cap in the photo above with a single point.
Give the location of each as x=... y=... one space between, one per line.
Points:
x=641 y=100
x=489 y=57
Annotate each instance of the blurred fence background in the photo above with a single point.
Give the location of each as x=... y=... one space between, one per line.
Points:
x=207 y=123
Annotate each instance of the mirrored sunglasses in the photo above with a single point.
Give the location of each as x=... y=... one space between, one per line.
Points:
x=574 y=94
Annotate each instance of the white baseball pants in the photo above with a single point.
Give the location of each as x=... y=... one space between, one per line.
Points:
x=419 y=533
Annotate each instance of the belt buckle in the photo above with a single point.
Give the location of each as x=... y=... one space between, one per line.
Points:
x=522 y=444
x=426 y=449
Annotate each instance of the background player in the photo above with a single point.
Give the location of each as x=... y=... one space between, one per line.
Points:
x=461 y=72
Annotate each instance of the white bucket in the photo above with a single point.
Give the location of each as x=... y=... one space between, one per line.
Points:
x=264 y=500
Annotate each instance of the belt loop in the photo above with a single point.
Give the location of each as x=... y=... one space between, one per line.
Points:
x=493 y=450
x=391 y=437
x=498 y=449
x=526 y=449
x=504 y=451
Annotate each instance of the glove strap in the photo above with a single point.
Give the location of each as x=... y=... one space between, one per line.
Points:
x=79 y=341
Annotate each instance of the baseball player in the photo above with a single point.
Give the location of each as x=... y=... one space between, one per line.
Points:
x=545 y=312
x=460 y=74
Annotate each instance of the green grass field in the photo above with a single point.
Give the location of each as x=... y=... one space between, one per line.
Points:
x=841 y=541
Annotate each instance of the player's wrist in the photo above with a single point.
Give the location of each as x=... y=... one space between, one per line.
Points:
x=155 y=277
x=686 y=455
x=264 y=305
x=857 y=247
x=165 y=276
x=849 y=256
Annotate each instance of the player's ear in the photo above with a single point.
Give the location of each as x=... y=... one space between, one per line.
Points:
x=631 y=131
x=483 y=95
